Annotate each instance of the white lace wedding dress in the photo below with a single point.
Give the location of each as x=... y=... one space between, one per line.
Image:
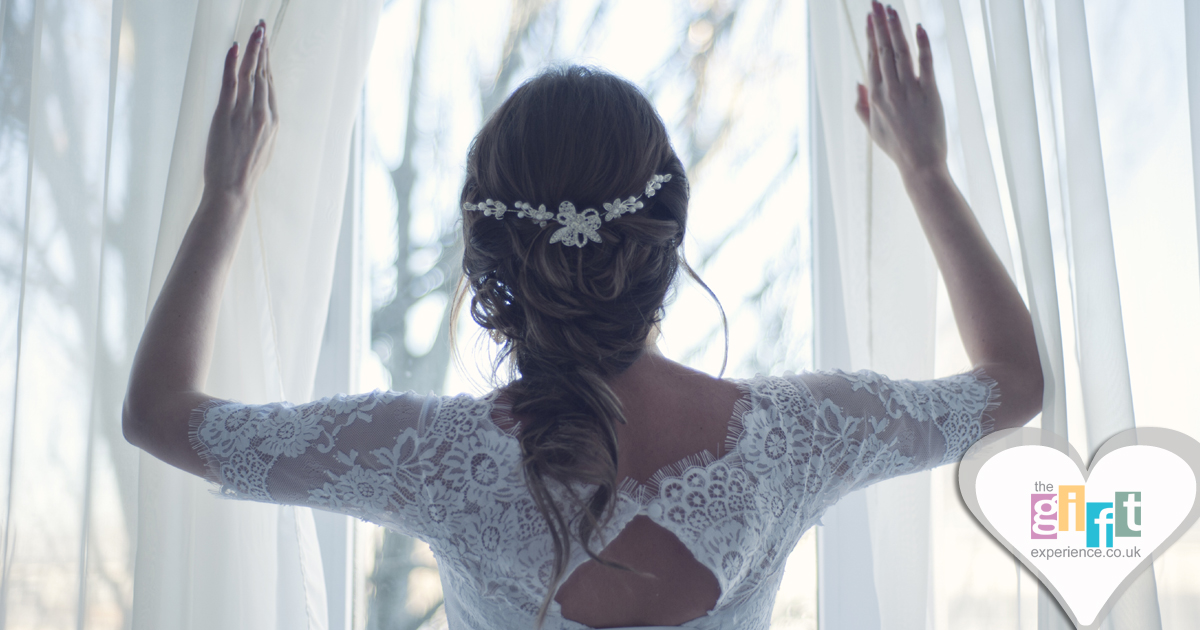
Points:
x=439 y=469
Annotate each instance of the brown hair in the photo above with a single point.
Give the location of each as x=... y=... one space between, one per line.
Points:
x=568 y=318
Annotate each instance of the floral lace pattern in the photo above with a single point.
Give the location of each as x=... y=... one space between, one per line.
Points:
x=441 y=469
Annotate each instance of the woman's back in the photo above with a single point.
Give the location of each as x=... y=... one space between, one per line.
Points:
x=673 y=415
x=714 y=525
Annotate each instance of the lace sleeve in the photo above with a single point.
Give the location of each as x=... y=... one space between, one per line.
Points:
x=365 y=455
x=866 y=427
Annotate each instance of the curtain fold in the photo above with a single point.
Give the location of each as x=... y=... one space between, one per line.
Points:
x=1020 y=142
x=1103 y=364
x=889 y=285
x=845 y=578
x=1043 y=123
x=1191 y=12
x=104 y=114
x=64 y=543
x=260 y=562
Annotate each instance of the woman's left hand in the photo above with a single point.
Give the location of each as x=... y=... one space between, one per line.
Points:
x=166 y=382
x=243 y=128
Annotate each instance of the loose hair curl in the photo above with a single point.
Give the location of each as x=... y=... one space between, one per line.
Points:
x=569 y=318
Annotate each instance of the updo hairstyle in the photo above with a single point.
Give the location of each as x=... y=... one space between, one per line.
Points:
x=569 y=318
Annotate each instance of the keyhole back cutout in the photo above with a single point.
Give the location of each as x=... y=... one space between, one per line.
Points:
x=682 y=589
x=673 y=413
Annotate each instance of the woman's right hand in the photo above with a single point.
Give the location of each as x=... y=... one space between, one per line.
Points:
x=243 y=128
x=903 y=111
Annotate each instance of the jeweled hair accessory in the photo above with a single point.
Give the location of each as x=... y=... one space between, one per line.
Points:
x=577 y=227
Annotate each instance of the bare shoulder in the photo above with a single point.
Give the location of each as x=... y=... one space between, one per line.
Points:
x=673 y=412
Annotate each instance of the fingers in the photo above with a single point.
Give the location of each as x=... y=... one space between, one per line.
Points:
x=228 y=81
x=862 y=107
x=904 y=66
x=883 y=41
x=249 y=66
x=925 y=57
x=876 y=75
x=271 y=87
x=262 y=87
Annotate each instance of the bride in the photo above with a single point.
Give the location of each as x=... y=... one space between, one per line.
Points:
x=603 y=485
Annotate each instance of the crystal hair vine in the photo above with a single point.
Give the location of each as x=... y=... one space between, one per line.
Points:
x=577 y=227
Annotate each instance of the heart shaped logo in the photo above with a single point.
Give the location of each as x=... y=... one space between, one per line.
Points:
x=1086 y=533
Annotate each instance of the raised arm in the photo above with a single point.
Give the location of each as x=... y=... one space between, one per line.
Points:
x=172 y=360
x=904 y=114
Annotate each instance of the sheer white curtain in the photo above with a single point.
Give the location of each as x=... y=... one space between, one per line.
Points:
x=106 y=107
x=1017 y=80
x=261 y=563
